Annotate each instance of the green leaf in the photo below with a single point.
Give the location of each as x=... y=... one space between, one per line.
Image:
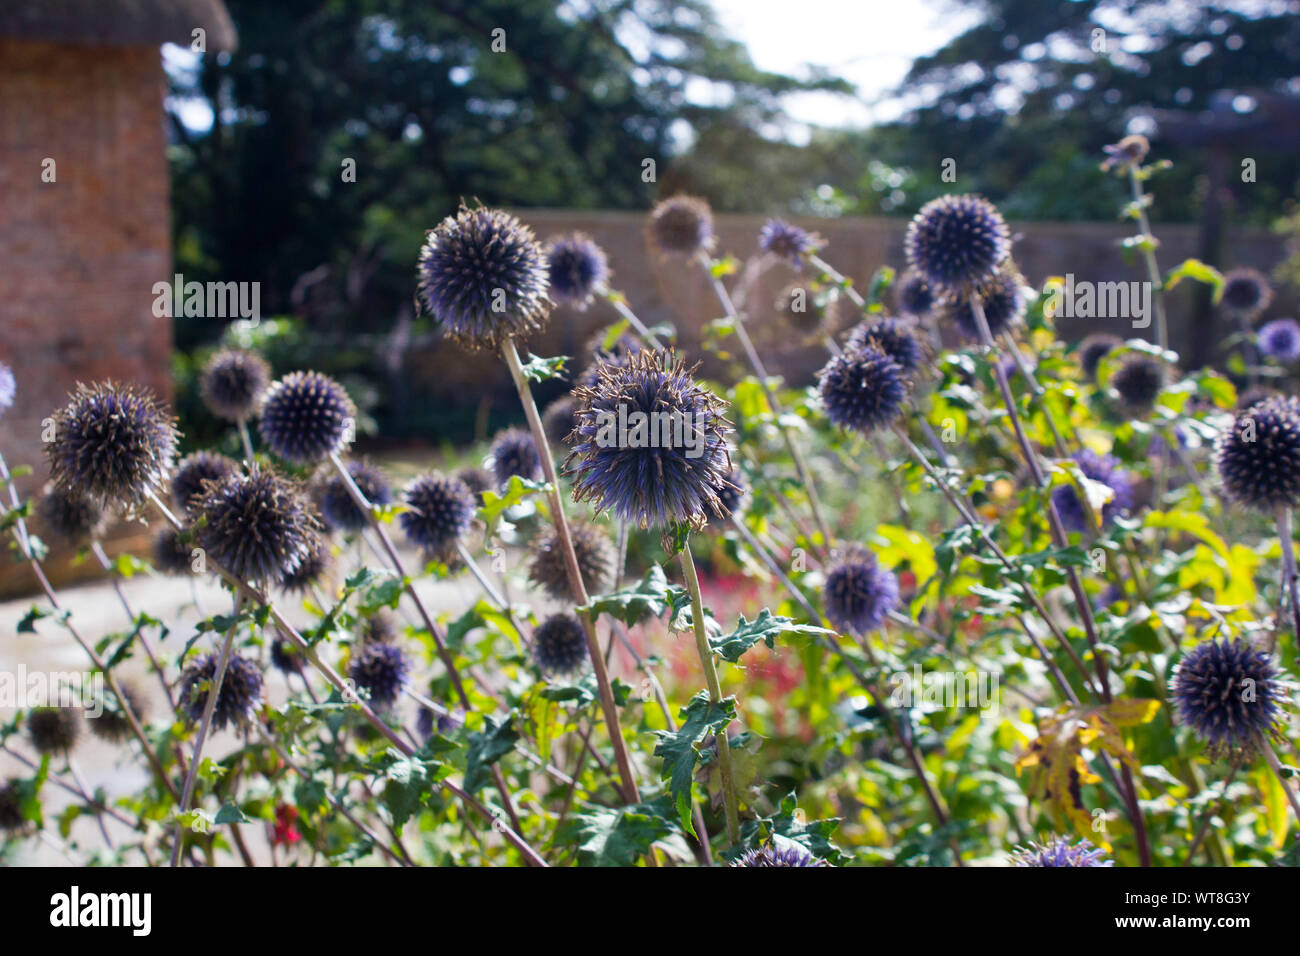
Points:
x=1199 y=271
x=28 y=623
x=766 y=627
x=538 y=369
x=486 y=747
x=700 y=718
x=495 y=504
x=408 y=782
x=648 y=597
x=229 y=813
x=620 y=836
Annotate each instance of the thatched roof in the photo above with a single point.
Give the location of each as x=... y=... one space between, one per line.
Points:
x=118 y=22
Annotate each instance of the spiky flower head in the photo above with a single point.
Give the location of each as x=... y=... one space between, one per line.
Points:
x=240 y=695
x=1258 y=457
x=859 y=593
x=913 y=295
x=258 y=526
x=681 y=226
x=650 y=444
x=797 y=305
x=477 y=480
x=1138 y=381
x=1254 y=395
x=382 y=669
x=335 y=502
x=1280 y=339
x=483 y=276
x=72 y=518
x=557 y=419
x=863 y=388
x=53 y=730
x=596 y=557
x=194 y=472
x=1230 y=694
x=438 y=513
x=1105 y=469
x=956 y=242
x=232 y=383
x=514 y=453
x=1245 y=292
x=896 y=339
x=285 y=656
x=1093 y=349
x=1059 y=851
x=733 y=491
x=1128 y=152
x=576 y=269
x=787 y=241
x=112 y=443
x=560 y=644
x=314 y=568
x=1002 y=298
x=11 y=806
x=380 y=626
x=8 y=388
x=112 y=724
x=171 y=552
x=306 y=417
x=787 y=854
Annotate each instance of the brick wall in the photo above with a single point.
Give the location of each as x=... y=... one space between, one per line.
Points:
x=79 y=256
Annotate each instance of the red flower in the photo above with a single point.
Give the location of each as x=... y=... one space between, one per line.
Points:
x=286 y=834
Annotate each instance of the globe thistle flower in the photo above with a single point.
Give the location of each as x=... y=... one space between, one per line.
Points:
x=240 y=695
x=53 y=730
x=514 y=453
x=1258 y=458
x=649 y=443
x=477 y=480
x=733 y=491
x=257 y=526
x=1230 y=694
x=1138 y=381
x=560 y=644
x=863 y=388
x=337 y=508
x=1245 y=292
x=785 y=855
x=595 y=554
x=557 y=419
x=1127 y=153
x=1254 y=395
x=171 y=553
x=483 y=276
x=380 y=627
x=896 y=339
x=438 y=513
x=957 y=242
x=8 y=388
x=73 y=519
x=192 y=474
x=1093 y=349
x=859 y=593
x=576 y=269
x=11 y=806
x=787 y=241
x=681 y=226
x=112 y=443
x=112 y=725
x=232 y=383
x=306 y=416
x=315 y=566
x=286 y=656
x=1105 y=469
x=1059 y=851
x=383 y=670
x=1002 y=298
x=913 y=295
x=1280 y=339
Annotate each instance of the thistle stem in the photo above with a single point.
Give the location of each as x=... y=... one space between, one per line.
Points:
x=246 y=441
x=619 y=302
x=1290 y=583
x=1149 y=257
x=1276 y=766
x=722 y=738
x=579 y=590
x=98 y=550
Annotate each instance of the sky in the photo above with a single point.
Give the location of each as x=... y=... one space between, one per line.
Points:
x=870 y=43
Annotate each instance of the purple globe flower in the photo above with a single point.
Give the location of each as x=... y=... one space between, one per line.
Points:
x=681 y=226
x=515 y=453
x=859 y=593
x=306 y=417
x=1138 y=381
x=257 y=526
x=787 y=241
x=53 y=730
x=914 y=295
x=1002 y=296
x=733 y=491
x=335 y=501
x=560 y=644
x=194 y=474
x=311 y=571
x=649 y=443
x=286 y=657
x=241 y=689
x=1105 y=469
x=1280 y=339
x=72 y=518
x=112 y=724
x=557 y=419
x=1093 y=349
x=596 y=559
x=171 y=552
x=382 y=669
x=863 y=388
x=957 y=242
x=788 y=855
x=232 y=383
x=1258 y=457
x=484 y=277
x=1245 y=292
x=576 y=268
x=896 y=339
x=1059 y=851
x=1230 y=694
x=438 y=513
